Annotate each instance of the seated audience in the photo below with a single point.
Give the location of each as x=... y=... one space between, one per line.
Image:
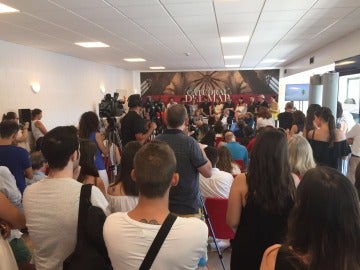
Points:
x=52 y=205
x=260 y=201
x=300 y=155
x=218 y=185
x=39 y=166
x=38 y=129
x=128 y=236
x=249 y=120
x=226 y=162
x=237 y=151
x=323 y=228
x=123 y=194
x=249 y=134
x=209 y=138
x=197 y=119
x=88 y=171
x=22 y=135
x=14 y=157
x=219 y=136
x=264 y=118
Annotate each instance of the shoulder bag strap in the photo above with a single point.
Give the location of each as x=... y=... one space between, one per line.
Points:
x=157 y=243
x=85 y=194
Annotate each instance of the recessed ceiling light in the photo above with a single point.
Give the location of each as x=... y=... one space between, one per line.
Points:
x=7 y=9
x=134 y=59
x=239 y=56
x=271 y=60
x=92 y=44
x=232 y=66
x=157 y=67
x=238 y=39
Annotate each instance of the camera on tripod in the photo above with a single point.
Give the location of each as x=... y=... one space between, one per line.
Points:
x=154 y=108
x=110 y=107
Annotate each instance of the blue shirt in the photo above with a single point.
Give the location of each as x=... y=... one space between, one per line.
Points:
x=17 y=160
x=238 y=151
x=99 y=161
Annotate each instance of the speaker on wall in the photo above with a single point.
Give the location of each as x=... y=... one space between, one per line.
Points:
x=25 y=116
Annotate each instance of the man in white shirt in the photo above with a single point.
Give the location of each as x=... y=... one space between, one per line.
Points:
x=51 y=205
x=353 y=136
x=219 y=184
x=128 y=236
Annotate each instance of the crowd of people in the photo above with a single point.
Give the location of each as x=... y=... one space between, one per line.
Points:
x=292 y=193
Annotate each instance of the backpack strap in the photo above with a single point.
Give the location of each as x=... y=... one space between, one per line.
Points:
x=158 y=241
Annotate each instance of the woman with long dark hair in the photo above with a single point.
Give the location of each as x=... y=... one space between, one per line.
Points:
x=89 y=129
x=123 y=193
x=328 y=143
x=88 y=171
x=310 y=122
x=323 y=228
x=260 y=201
x=298 y=123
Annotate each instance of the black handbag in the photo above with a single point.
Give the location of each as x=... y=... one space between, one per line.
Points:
x=157 y=242
x=90 y=251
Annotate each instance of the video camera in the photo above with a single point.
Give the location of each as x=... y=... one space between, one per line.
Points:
x=111 y=106
x=154 y=108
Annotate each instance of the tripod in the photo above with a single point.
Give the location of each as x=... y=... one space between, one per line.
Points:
x=114 y=141
x=207 y=219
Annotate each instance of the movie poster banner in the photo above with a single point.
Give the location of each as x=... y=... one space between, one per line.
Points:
x=213 y=84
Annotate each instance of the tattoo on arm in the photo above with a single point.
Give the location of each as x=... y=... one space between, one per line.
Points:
x=151 y=221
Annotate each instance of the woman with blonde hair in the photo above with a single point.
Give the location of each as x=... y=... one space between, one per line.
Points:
x=301 y=157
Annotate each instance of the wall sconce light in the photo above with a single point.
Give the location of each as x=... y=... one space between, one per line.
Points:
x=35 y=87
x=102 y=89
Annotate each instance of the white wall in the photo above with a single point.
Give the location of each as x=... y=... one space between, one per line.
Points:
x=69 y=85
x=344 y=47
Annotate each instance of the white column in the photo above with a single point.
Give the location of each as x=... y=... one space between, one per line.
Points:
x=330 y=81
x=315 y=90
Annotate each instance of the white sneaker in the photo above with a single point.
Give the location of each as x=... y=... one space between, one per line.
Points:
x=222 y=244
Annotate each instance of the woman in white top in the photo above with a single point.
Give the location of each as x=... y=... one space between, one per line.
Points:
x=37 y=127
x=264 y=118
x=123 y=193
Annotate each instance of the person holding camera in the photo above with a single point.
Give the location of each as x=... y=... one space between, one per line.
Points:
x=133 y=125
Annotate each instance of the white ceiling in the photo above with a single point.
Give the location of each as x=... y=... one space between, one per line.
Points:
x=180 y=34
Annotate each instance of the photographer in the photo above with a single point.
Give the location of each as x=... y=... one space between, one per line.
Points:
x=132 y=125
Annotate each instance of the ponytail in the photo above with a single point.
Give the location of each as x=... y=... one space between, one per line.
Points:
x=332 y=127
x=326 y=114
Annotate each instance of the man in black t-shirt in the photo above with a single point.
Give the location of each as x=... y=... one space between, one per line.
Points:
x=285 y=118
x=206 y=107
x=133 y=125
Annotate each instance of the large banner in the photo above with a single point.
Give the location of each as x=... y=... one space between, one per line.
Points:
x=214 y=84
